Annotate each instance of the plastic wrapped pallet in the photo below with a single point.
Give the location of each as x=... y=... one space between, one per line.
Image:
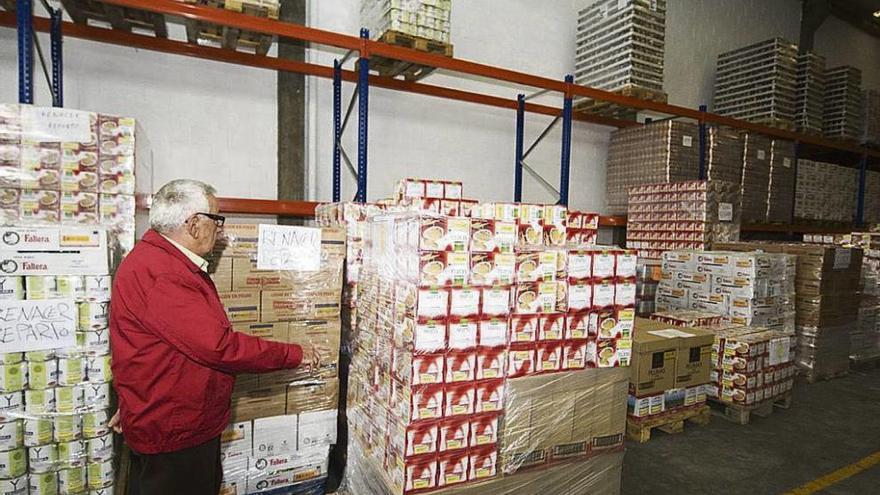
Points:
x=865 y=337
x=284 y=422
x=620 y=44
x=871 y=127
x=681 y=215
x=458 y=343
x=659 y=152
x=724 y=156
x=758 y=82
x=843 y=103
x=825 y=191
x=810 y=92
x=429 y=19
x=780 y=192
x=755 y=176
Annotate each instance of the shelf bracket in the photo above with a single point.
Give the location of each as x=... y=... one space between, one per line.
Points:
x=363 y=91
x=517 y=167
x=337 y=130
x=57 y=38
x=566 y=143
x=24 y=10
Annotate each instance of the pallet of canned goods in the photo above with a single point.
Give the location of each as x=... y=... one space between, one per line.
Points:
x=810 y=108
x=55 y=397
x=843 y=103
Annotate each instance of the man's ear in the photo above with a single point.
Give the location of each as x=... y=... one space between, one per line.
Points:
x=192 y=227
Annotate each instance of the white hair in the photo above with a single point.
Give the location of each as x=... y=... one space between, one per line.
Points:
x=176 y=202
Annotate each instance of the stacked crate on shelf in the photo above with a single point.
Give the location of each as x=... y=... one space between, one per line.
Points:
x=681 y=215
x=872 y=197
x=843 y=103
x=758 y=83
x=91 y=12
x=780 y=192
x=724 y=155
x=810 y=110
x=825 y=191
x=871 y=127
x=229 y=37
x=620 y=48
x=284 y=422
x=865 y=337
x=755 y=176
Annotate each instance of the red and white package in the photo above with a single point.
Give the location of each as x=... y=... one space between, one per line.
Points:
x=607 y=354
x=548 y=357
x=489 y=396
x=574 y=354
x=580 y=265
x=421 y=474
x=427 y=369
x=608 y=327
x=466 y=207
x=603 y=264
x=495 y=301
x=625 y=292
x=459 y=399
x=452 y=189
x=603 y=294
x=462 y=333
x=411 y=188
x=580 y=295
x=426 y=402
x=551 y=327
x=452 y=468
x=520 y=360
x=592 y=351
x=430 y=336
x=460 y=366
x=483 y=462
x=579 y=325
x=528 y=298
x=450 y=207
x=492 y=268
x=454 y=434
x=434 y=189
x=625 y=266
x=421 y=438
x=492 y=332
x=464 y=301
x=491 y=363
x=484 y=430
x=524 y=328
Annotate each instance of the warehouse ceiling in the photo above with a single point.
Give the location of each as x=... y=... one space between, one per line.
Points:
x=859 y=13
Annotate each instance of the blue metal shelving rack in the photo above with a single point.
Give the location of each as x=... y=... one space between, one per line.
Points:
x=26 y=38
x=361 y=95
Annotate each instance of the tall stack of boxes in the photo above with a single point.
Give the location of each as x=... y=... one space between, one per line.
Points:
x=724 y=155
x=871 y=127
x=827 y=287
x=825 y=191
x=429 y=19
x=810 y=110
x=283 y=422
x=56 y=402
x=843 y=103
x=681 y=215
x=465 y=323
x=755 y=176
x=865 y=337
x=780 y=193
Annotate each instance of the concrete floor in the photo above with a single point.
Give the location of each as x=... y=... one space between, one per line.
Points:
x=830 y=425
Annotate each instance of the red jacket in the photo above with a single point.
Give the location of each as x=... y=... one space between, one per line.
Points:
x=174 y=353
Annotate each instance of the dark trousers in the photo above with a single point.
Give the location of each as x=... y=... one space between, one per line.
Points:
x=192 y=471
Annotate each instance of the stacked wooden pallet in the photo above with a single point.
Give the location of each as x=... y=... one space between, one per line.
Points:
x=232 y=38
x=115 y=16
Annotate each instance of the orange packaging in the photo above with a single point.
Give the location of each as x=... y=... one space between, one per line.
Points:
x=489 y=396
x=491 y=363
x=460 y=366
x=454 y=434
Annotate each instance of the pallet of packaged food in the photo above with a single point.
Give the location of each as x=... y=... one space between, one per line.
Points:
x=118 y=17
x=229 y=37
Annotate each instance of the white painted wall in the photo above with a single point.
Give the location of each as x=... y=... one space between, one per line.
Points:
x=842 y=44
x=204 y=120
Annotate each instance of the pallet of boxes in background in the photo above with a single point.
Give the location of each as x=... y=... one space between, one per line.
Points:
x=229 y=37
x=283 y=423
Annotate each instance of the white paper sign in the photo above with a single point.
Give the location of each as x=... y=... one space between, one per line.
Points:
x=55 y=124
x=37 y=325
x=725 y=212
x=670 y=333
x=687 y=141
x=779 y=351
x=786 y=162
x=842 y=258
x=762 y=154
x=284 y=247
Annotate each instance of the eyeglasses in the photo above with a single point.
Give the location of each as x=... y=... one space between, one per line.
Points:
x=218 y=219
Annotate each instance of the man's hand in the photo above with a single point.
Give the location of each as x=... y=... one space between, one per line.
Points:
x=312 y=354
x=115 y=422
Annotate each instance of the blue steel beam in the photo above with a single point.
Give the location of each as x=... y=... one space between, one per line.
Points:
x=57 y=58
x=337 y=130
x=517 y=167
x=363 y=109
x=566 y=143
x=24 y=10
x=703 y=144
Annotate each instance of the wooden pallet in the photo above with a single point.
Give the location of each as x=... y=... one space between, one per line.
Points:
x=613 y=110
x=8 y=5
x=639 y=429
x=390 y=67
x=228 y=37
x=741 y=415
x=865 y=363
x=814 y=378
x=778 y=124
x=122 y=18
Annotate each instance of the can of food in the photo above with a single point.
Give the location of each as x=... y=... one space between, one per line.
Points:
x=70 y=286
x=39 y=401
x=11 y=405
x=71 y=454
x=13 y=463
x=68 y=427
x=100 y=449
x=97 y=342
x=100 y=474
x=71 y=370
x=12 y=288
x=44 y=355
x=38 y=431
x=13 y=377
x=42 y=374
x=72 y=481
x=11 y=358
x=43 y=458
x=98 y=369
x=70 y=399
x=92 y=315
x=14 y=486
x=41 y=287
x=11 y=435
x=98 y=287
x=95 y=423
x=43 y=483
x=97 y=395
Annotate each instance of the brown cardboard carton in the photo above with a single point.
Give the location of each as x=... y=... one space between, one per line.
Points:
x=241 y=306
x=292 y=305
x=246 y=276
x=240 y=241
x=312 y=395
x=220 y=270
x=693 y=361
x=553 y=420
x=653 y=358
x=610 y=422
x=276 y=332
x=327 y=333
x=261 y=403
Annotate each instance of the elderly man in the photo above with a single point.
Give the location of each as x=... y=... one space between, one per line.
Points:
x=174 y=353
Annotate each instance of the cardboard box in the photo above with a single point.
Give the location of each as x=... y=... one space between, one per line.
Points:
x=653 y=358
x=220 y=270
x=259 y=403
x=276 y=332
x=276 y=471
x=316 y=429
x=299 y=305
x=693 y=362
x=246 y=276
x=242 y=306
x=275 y=435
x=312 y=395
x=324 y=332
x=241 y=240
x=54 y=251
x=237 y=441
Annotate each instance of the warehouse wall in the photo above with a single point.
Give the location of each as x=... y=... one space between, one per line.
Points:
x=842 y=44
x=204 y=120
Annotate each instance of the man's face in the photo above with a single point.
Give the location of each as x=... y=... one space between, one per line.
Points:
x=204 y=230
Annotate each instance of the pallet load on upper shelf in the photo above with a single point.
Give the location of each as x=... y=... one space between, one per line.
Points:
x=231 y=38
x=758 y=83
x=56 y=395
x=463 y=332
x=780 y=193
x=422 y=25
x=670 y=371
x=283 y=423
x=68 y=167
x=843 y=103
x=827 y=304
x=810 y=110
x=681 y=215
x=825 y=191
x=92 y=12
x=750 y=289
x=871 y=127
x=755 y=176
x=620 y=48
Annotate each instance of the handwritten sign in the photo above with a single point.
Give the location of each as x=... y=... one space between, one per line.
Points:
x=283 y=247
x=37 y=325
x=55 y=124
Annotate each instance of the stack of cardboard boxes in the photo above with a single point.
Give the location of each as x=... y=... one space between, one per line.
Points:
x=670 y=368
x=285 y=421
x=429 y=19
